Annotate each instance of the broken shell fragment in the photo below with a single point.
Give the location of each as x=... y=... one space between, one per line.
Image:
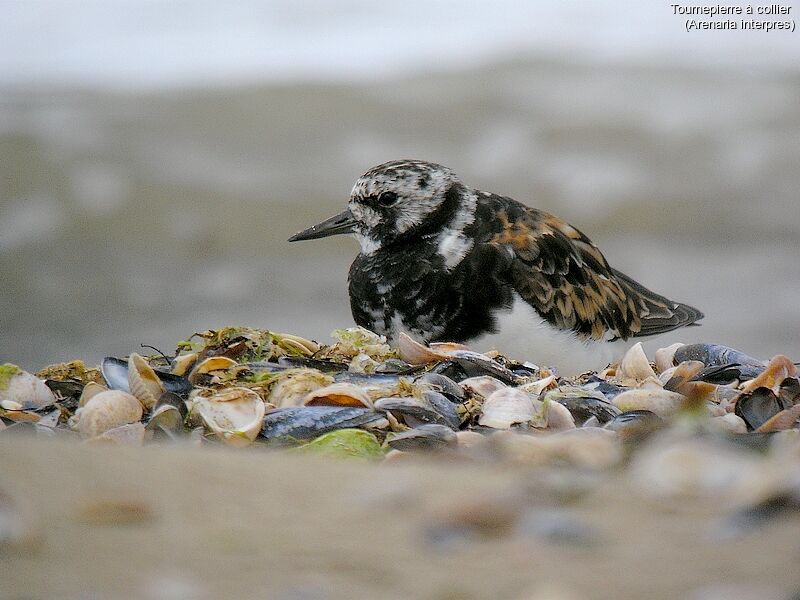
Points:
x=106 y=410
x=20 y=390
x=234 y=415
x=338 y=394
x=507 y=407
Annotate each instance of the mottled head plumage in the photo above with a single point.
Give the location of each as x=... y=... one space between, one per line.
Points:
x=397 y=199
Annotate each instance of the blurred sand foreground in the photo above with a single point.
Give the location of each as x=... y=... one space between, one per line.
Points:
x=108 y=522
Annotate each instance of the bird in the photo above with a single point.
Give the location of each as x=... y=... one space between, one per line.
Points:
x=441 y=261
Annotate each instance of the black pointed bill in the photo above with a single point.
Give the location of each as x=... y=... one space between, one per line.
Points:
x=336 y=225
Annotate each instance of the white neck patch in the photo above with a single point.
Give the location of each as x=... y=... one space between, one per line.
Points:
x=453 y=243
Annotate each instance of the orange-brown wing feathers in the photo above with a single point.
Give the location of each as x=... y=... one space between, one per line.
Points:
x=565 y=277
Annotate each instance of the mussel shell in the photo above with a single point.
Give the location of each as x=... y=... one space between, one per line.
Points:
x=758 y=407
x=68 y=389
x=445 y=385
x=609 y=390
x=717 y=355
x=294 y=362
x=475 y=364
x=425 y=438
x=432 y=408
x=115 y=372
x=307 y=422
x=583 y=404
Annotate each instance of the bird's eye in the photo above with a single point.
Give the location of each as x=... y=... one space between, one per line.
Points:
x=387 y=198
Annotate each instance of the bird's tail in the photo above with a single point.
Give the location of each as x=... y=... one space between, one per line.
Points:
x=657 y=313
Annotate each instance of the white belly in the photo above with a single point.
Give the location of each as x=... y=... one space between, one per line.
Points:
x=523 y=335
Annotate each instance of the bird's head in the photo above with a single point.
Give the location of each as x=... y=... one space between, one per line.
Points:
x=398 y=200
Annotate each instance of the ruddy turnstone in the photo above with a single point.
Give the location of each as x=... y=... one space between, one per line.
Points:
x=445 y=262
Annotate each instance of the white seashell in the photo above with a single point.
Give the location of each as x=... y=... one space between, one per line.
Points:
x=507 y=406
x=25 y=391
x=234 y=415
x=483 y=385
x=664 y=356
x=635 y=368
x=338 y=394
x=90 y=390
x=105 y=411
x=662 y=402
x=558 y=417
x=143 y=381
x=537 y=387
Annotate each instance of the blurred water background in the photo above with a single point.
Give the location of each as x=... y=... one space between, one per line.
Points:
x=155 y=156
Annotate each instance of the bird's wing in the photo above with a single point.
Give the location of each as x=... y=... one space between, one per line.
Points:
x=564 y=276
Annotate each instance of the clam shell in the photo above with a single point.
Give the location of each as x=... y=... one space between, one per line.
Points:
x=635 y=369
x=235 y=415
x=506 y=407
x=183 y=362
x=661 y=402
x=338 y=394
x=664 y=356
x=558 y=417
x=212 y=363
x=143 y=381
x=25 y=391
x=296 y=343
x=294 y=386
x=90 y=390
x=105 y=411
